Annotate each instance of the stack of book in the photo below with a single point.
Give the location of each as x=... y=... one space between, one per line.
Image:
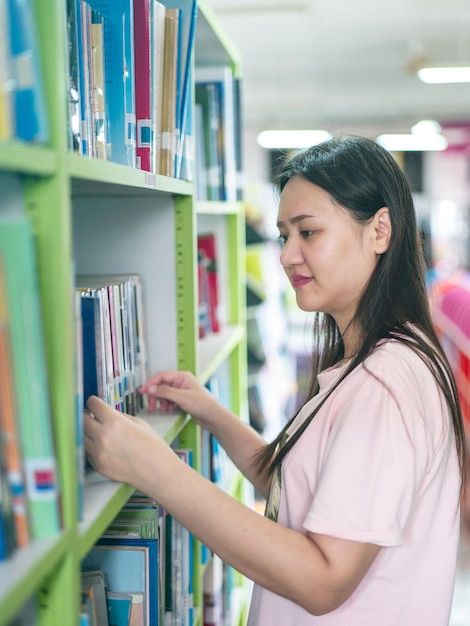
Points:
x=129 y=82
x=140 y=571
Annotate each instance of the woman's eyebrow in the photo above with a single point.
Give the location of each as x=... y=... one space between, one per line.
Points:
x=294 y=220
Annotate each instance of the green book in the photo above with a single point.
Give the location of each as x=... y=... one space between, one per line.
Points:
x=30 y=376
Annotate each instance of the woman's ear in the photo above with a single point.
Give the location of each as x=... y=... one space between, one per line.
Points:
x=382 y=229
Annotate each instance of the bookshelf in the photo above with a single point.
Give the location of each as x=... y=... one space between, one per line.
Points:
x=95 y=216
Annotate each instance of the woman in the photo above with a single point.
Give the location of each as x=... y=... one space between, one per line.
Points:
x=363 y=484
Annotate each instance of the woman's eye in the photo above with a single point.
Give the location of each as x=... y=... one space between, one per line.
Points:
x=282 y=240
x=307 y=233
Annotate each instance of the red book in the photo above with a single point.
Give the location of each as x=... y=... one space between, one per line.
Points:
x=142 y=71
x=207 y=244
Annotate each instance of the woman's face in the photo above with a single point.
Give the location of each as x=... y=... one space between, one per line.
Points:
x=327 y=256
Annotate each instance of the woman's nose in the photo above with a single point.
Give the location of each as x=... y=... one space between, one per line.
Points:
x=290 y=253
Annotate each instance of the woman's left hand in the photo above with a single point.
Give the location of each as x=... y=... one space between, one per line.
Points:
x=117 y=444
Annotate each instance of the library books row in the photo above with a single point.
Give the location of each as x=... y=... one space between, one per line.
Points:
x=146 y=120
x=130 y=91
x=130 y=81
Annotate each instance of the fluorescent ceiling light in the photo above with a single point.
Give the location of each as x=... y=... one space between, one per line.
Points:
x=291 y=138
x=445 y=74
x=412 y=142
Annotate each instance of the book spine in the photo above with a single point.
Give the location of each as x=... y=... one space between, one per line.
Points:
x=168 y=137
x=143 y=82
x=29 y=369
x=29 y=100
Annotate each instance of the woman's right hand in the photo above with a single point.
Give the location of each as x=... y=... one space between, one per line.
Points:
x=171 y=389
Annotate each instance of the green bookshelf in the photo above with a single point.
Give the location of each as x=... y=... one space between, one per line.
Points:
x=92 y=216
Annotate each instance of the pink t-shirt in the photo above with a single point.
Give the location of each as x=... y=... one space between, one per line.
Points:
x=378 y=465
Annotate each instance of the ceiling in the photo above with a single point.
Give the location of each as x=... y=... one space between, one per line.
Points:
x=343 y=65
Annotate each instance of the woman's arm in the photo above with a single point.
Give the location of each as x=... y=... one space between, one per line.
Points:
x=241 y=442
x=317 y=572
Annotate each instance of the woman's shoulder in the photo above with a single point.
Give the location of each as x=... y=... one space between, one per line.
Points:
x=399 y=363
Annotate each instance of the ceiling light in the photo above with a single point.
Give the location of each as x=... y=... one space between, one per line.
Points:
x=425 y=136
x=279 y=139
x=412 y=142
x=458 y=74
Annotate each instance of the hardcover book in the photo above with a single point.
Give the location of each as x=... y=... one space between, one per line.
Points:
x=30 y=375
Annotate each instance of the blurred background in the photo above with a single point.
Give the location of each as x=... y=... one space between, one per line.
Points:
x=375 y=68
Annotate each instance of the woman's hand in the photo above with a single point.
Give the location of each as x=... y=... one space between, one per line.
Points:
x=172 y=389
x=117 y=444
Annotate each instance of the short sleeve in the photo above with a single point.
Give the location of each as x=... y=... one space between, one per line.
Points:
x=371 y=467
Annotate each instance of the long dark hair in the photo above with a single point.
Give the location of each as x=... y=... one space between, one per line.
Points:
x=363 y=177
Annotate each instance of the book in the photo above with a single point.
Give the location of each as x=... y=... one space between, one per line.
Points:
x=118 y=18
x=83 y=76
x=93 y=591
x=114 y=349
x=170 y=77
x=206 y=243
x=188 y=18
x=158 y=12
x=208 y=136
x=91 y=340
x=11 y=449
x=100 y=120
x=119 y=608
x=213 y=593
x=143 y=42
x=81 y=460
x=28 y=98
x=30 y=375
x=73 y=78
x=222 y=79
x=6 y=76
x=129 y=566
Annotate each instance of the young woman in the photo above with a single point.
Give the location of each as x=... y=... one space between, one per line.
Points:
x=363 y=484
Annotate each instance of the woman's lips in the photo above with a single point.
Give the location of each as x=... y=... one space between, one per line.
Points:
x=300 y=281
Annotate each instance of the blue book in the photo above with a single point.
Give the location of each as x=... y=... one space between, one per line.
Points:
x=119 y=77
x=90 y=343
x=119 y=608
x=29 y=101
x=82 y=79
x=187 y=31
x=130 y=566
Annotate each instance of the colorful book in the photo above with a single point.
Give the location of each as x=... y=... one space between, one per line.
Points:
x=143 y=37
x=129 y=566
x=118 y=18
x=206 y=243
x=30 y=375
x=11 y=448
x=29 y=100
x=114 y=352
x=222 y=80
